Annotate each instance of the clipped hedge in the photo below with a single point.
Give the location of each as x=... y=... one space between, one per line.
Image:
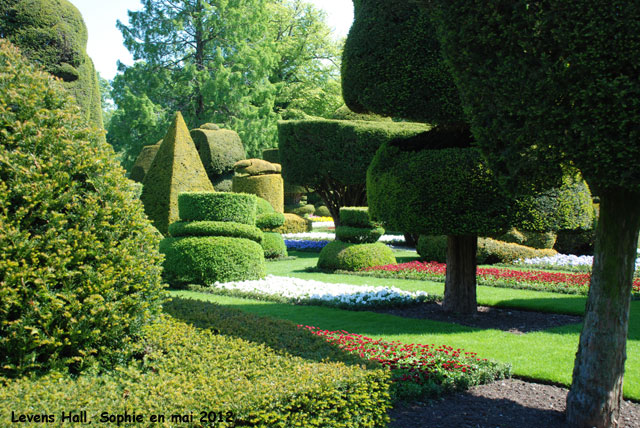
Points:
x=268 y=186
x=490 y=251
x=355 y=216
x=346 y=256
x=434 y=184
x=215 y=228
x=294 y=224
x=301 y=210
x=270 y=221
x=79 y=265
x=219 y=206
x=143 y=162
x=250 y=382
x=358 y=235
x=219 y=149
x=273 y=245
x=207 y=259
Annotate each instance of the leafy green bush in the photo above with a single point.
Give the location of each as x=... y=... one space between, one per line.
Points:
x=359 y=235
x=263 y=206
x=205 y=260
x=322 y=211
x=301 y=210
x=346 y=256
x=491 y=251
x=219 y=149
x=355 y=216
x=270 y=221
x=79 y=265
x=252 y=382
x=294 y=224
x=531 y=239
x=273 y=245
x=215 y=228
x=432 y=248
x=219 y=206
x=268 y=186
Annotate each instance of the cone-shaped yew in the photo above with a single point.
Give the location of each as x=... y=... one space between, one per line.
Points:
x=176 y=168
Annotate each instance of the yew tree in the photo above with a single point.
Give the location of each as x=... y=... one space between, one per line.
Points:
x=392 y=66
x=558 y=82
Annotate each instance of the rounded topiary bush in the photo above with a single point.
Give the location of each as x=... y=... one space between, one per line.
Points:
x=207 y=259
x=346 y=256
x=219 y=149
x=432 y=248
x=270 y=221
x=294 y=224
x=322 y=211
x=273 y=245
x=215 y=228
x=79 y=265
x=267 y=186
x=355 y=216
x=359 y=235
x=219 y=206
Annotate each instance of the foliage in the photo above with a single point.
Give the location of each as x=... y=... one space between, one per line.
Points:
x=359 y=235
x=144 y=161
x=355 y=217
x=79 y=266
x=53 y=35
x=419 y=370
x=268 y=186
x=206 y=259
x=247 y=380
x=240 y=63
x=219 y=150
x=294 y=224
x=301 y=210
x=273 y=245
x=578 y=242
x=332 y=156
x=215 y=228
x=429 y=185
x=218 y=206
x=270 y=221
x=346 y=256
x=176 y=168
x=392 y=65
x=434 y=248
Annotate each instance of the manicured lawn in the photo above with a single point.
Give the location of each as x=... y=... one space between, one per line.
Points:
x=544 y=356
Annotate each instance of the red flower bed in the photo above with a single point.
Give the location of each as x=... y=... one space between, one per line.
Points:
x=418 y=369
x=553 y=281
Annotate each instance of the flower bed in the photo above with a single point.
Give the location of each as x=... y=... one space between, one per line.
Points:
x=570 y=283
x=330 y=236
x=305 y=245
x=416 y=369
x=310 y=292
x=565 y=262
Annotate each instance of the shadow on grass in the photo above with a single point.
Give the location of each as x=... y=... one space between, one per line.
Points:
x=277 y=334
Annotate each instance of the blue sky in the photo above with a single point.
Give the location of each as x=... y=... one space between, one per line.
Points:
x=105 y=41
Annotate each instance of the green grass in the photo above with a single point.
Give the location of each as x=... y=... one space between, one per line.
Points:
x=543 y=356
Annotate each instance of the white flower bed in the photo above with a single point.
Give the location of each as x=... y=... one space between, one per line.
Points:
x=303 y=291
x=564 y=260
x=323 y=224
x=329 y=236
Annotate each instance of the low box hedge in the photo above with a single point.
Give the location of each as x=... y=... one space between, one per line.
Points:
x=358 y=235
x=215 y=228
x=218 y=206
x=189 y=371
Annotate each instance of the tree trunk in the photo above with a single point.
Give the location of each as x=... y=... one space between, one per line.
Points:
x=596 y=391
x=460 y=281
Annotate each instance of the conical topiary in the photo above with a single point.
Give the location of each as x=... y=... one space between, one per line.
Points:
x=176 y=168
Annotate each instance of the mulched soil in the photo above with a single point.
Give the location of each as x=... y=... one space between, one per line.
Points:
x=506 y=403
x=511 y=320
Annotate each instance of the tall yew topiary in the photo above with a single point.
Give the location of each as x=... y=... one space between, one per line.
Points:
x=554 y=82
x=79 y=265
x=434 y=183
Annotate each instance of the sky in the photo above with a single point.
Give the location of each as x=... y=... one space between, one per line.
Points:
x=105 y=41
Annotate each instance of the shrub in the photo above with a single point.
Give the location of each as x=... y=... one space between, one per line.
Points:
x=301 y=210
x=176 y=168
x=540 y=240
x=219 y=149
x=294 y=224
x=215 y=228
x=263 y=206
x=205 y=260
x=270 y=221
x=492 y=251
x=267 y=186
x=578 y=242
x=355 y=216
x=432 y=248
x=332 y=156
x=143 y=162
x=358 y=235
x=252 y=381
x=79 y=266
x=273 y=245
x=271 y=155
x=345 y=256
x=219 y=206
x=322 y=211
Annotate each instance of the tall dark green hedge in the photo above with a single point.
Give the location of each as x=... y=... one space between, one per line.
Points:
x=421 y=186
x=332 y=156
x=79 y=264
x=392 y=65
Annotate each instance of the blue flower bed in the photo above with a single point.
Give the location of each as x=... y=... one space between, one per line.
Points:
x=304 y=245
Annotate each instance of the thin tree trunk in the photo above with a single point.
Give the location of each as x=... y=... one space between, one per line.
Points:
x=460 y=281
x=596 y=391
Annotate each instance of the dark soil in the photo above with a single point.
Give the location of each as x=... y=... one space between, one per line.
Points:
x=507 y=403
x=511 y=320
